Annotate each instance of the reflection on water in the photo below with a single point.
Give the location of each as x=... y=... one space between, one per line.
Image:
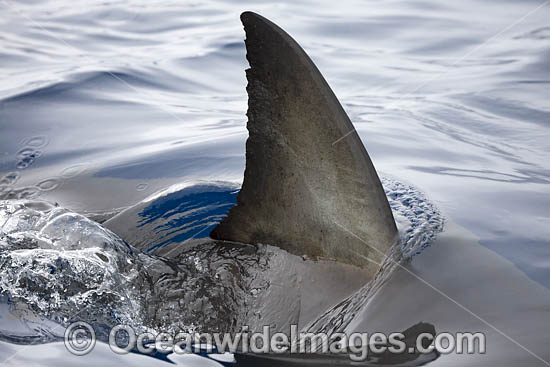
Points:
x=105 y=104
x=180 y=280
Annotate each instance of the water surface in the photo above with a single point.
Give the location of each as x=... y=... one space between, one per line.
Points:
x=104 y=104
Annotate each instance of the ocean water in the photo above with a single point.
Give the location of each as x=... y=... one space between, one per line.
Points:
x=105 y=104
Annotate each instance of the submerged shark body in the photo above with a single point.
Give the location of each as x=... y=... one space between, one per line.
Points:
x=310 y=239
x=309 y=189
x=311 y=242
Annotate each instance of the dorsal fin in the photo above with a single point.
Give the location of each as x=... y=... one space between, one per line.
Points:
x=303 y=190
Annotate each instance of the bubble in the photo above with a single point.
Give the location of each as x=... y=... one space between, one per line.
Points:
x=50 y=184
x=26 y=157
x=10 y=178
x=25 y=152
x=5 y=192
x=74 y=170
x=36 y=141
x=142 y=187
x=102 y=257
x=28 y=192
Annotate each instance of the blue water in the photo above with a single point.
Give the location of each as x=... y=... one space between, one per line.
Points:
x=129 y=98
x=103 y=104
x=190 y=213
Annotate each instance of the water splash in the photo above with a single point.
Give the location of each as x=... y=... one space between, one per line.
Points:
x=58 y=266
x=418 y=219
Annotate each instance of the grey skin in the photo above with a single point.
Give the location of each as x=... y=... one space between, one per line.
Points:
x=309 y=186
x=306 y=191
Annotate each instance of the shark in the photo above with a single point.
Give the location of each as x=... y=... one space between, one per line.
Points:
x=309 y=239
x=306 y=239
x=309 y=189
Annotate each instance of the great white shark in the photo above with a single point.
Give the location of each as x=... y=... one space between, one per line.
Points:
x=311 y=242
x=309 y=188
